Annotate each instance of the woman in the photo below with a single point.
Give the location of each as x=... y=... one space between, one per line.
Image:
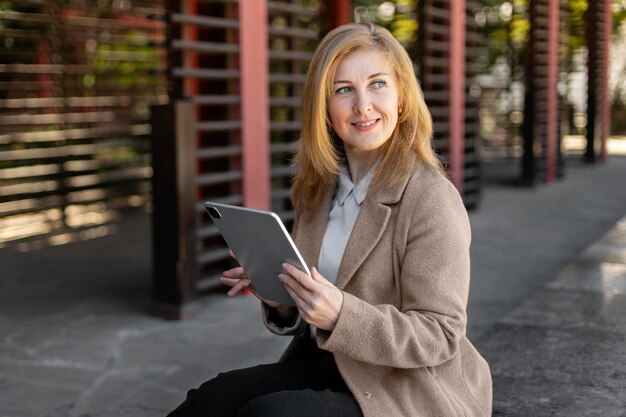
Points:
x=380 y=328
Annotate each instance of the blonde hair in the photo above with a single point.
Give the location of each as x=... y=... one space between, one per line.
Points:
x=318 y=159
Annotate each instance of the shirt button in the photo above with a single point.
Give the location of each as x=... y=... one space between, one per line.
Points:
x=368 y=395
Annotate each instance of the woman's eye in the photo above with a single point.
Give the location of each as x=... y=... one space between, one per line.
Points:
x=343 y=90
x=378 y=84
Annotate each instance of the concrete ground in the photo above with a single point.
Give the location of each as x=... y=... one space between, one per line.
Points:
x=546 y=309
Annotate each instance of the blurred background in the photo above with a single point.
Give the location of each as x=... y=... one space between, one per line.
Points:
x=119 y=118
x=516 y=89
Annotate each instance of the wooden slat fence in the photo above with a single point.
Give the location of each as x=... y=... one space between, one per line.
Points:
x=76 y=81
x=541 y=129
x=205 y=66
x=432 y=55
x=473 y=68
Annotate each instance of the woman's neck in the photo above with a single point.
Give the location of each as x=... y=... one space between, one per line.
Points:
x=360 y=164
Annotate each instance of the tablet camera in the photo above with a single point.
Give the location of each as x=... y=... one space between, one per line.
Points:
x=213 y=212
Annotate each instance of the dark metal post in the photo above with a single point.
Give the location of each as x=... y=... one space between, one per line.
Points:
x=592 y=71
x=173 y=217
x=456 y=105
x=598 y=31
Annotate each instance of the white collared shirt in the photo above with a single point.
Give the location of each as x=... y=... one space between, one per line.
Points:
x=345 y=209
x=341 y=219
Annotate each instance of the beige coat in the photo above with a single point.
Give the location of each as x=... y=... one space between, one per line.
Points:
x=399 y=341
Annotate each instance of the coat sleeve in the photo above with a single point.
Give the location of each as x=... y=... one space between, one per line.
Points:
x=426 y=328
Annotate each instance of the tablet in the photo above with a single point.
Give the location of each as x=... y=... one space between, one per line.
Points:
x=261 y=244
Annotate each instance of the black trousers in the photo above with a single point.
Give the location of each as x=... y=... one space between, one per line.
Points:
x=307 y=387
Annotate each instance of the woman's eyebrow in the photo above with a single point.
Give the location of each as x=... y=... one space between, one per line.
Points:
x=378 y=74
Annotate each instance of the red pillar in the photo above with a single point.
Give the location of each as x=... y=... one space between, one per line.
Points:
x=339 y=12
x=254 y=68
x=552 y=99
x=457 y=92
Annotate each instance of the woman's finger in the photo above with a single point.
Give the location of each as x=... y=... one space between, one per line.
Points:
x=243 y=283
x=301 y=304
x=229 y=281
x=292 y=283
x=300 y=276
x=236 y=272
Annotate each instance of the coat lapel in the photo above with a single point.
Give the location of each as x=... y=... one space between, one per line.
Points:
x=366 y=233
x=368 y=228
x=311 y=230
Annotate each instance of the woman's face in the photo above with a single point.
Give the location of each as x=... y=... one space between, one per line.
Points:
x=364 y=105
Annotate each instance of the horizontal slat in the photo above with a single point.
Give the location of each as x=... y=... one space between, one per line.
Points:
x=55 y=135
x=283 y=171
x=286 y=101
x=438 y=79
x=128 y=56
x=216 y=99
x=283 y=147
x=218 y=178
x=290 y=55
x=289 y=125
x=437 y=95
x=281 y=193
x=104 y=87
x=287 y=78
x=50 y=188
x=205 y=47
x=431 y=61
x=77 y=20
x=275 y=7
x=103 y=147
x=31 y=173
x=72 y=69
x=204 y=21
x=212 y=256
x=207 y=231
x=47 y=102
x=55 y=118
x=218 y=152
x=436 y=12
x=205 y=73
x=218 y=125
x=292 y=32
x=431 y=28
x=441 y=127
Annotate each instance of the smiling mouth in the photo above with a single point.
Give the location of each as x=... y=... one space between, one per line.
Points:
x=365 y=124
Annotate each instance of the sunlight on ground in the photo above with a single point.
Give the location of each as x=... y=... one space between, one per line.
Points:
x=59 y=226
x=616 y=145
x=574 y=144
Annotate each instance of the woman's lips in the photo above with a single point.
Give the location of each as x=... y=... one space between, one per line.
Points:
x=365 y=125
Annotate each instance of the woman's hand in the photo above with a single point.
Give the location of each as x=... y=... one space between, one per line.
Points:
x=319 y=302
x=237 y=279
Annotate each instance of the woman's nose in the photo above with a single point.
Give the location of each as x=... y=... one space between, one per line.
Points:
x=362 y=103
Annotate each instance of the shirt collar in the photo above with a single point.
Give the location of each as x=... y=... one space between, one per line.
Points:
x=346 y=186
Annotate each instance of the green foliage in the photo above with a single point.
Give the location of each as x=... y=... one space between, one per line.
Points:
x=502 y=31
x=398 y=16
x=124 y=64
